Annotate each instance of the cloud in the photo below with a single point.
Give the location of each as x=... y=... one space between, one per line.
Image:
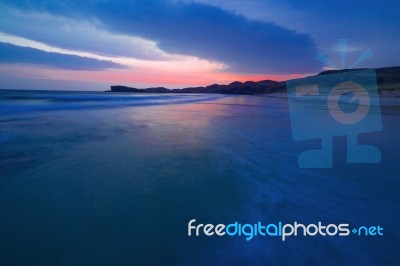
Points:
x=199 y=30
x=367 y=25
x=78 y=35
x=13 y=54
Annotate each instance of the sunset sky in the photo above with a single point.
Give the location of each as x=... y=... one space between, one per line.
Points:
x=89 y=45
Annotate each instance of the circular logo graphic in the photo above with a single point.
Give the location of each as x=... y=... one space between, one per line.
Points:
x=360 y=95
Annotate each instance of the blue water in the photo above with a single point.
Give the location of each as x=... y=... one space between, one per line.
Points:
x=113 y=179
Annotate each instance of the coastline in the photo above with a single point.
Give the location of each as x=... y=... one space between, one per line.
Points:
x=387 y=79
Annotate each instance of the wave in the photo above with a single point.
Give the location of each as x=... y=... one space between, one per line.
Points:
x=23 y=101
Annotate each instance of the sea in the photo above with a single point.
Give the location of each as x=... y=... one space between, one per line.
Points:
x=97 y=178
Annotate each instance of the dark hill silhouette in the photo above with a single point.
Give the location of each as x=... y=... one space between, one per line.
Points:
x=388 y=78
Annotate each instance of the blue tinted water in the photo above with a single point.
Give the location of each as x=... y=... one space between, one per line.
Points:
x=113 y=179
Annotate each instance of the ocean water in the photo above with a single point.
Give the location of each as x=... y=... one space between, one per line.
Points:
x=113 y=179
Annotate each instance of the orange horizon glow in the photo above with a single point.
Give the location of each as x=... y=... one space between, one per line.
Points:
x=173 y=71
x=142 y=77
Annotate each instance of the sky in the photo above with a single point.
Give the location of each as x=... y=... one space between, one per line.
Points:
x=92 y=44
